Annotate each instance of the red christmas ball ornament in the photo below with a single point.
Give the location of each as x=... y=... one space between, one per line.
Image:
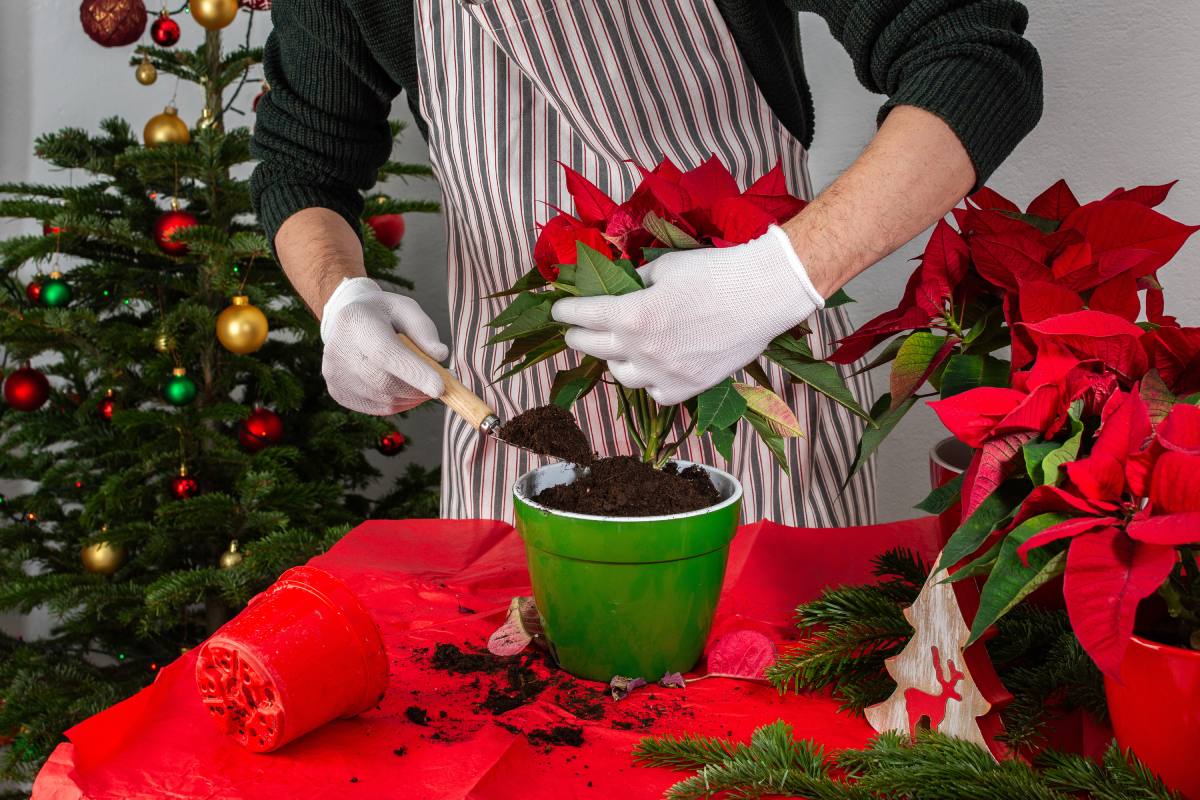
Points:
x=106 y=407
x=389 y=229
x=167 y=225
x=183 y=485
x=33 y=291
x=263 y=427
x=391 y=443
x=26 y=389
x=50 y=230
x=113 y=23
x=164 y=31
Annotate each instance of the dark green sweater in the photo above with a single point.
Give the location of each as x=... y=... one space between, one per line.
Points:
x=334 y=67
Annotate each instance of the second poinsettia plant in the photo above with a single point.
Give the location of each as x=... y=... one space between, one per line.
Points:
x=597 y=250
x=1086 y=439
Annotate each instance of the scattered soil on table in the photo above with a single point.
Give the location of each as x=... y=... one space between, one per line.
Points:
x=623 y=486
x=495 y=688
x=550 y=431
x=567 y=735
x=417 y=715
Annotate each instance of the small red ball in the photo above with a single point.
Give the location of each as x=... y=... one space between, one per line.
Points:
x=184 y=486
x=164 y=31
x=106 y=408
x=389 y=229
x=33 y=291
x=263 y=427
x=113 y=23
x=50 y=230
x=391 y=443
x=26 y=389
x=166 y=227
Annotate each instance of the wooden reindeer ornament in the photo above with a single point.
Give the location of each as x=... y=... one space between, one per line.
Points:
x=941 y=684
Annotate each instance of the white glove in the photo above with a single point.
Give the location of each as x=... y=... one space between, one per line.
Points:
x=365 y=366
x=703 y=315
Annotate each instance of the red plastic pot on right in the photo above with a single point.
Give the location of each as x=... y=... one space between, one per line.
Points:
x=1155 y=711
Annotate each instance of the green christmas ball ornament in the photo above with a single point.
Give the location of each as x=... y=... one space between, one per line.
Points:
x=56 y=292
x=180 y=389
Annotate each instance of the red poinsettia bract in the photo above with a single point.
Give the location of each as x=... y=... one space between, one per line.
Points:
x=1125 y=508
x=703 y=204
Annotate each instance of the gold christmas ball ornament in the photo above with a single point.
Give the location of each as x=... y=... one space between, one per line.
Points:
x=214 y=14
x=166 y=128
x=102 y=558
x=241 y=327
x=231 y=557
x=164 y=342
x=146 y=73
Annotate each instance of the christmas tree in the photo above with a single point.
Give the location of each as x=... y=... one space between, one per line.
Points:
x=178 y=457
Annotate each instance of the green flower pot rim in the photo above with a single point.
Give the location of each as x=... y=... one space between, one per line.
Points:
x=734 y=497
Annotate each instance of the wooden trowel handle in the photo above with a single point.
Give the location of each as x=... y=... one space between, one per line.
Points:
x=456 y=396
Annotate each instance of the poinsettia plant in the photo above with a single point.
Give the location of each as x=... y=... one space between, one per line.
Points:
x=1086 y=438
x=597 y=250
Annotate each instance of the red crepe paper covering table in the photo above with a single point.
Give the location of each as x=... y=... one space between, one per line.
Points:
x=434 y=734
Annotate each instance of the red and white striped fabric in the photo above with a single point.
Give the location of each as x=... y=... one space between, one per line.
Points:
x=512 y=87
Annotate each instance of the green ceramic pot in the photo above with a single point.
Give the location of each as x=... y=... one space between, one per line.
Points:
x=630 y=596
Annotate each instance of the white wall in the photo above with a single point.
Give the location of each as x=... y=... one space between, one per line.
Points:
x=1122 y=107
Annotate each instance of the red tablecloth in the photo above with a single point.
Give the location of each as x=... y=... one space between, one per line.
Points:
x=433 y=581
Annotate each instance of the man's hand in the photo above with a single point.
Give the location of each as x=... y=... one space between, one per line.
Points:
x=703 y=315
x=365 y=366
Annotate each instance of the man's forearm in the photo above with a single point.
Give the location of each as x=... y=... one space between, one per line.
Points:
x=317 y=249
x=908 y=177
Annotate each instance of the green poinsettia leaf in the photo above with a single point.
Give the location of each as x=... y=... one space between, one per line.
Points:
x=520 y=304
x=1011 y=581
x=797 y=360
x=965 y=372
x=573 y=384
x=1052 y=464
x=884 y=419
x=917 y=356
x=530 y=280
x=534 y=318
x=722 y=439
x=651 y=253
x=755 y=370
x=885 y=355
x=774 y=442
x=719 y=407
x=668 y=233
x=980 y=565
x=596 y=274
x=1043 y=224
x=943 y=497
x=536 y=354
x=772 y=408
x=838 y=298
x=974 y=530
x=523 y=344
x=1035 y=453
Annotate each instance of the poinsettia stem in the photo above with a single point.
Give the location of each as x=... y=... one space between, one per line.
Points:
x=670 y=449
x=631 y=419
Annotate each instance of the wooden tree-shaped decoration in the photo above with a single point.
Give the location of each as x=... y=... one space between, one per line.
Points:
x=940 y=683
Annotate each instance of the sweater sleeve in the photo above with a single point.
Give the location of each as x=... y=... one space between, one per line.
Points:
x=321 y=132
x=964 y=60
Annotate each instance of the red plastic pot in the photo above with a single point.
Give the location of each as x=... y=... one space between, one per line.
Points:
x=1155 y=711
x=300 y=654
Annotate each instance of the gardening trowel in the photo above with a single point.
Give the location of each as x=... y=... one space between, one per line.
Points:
x=461 y=400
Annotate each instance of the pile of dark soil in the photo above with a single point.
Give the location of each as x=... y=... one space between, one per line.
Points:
x=548 y=431
x=622 y=486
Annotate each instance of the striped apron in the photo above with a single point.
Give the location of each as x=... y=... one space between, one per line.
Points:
x=512 y=87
